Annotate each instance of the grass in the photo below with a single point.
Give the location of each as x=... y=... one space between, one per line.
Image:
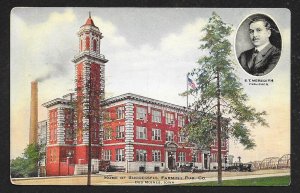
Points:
x=267 y=181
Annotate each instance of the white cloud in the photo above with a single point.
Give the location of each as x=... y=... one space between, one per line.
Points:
x=186 y=40
x=156 y=68
x=36 y=50
x=111 y=33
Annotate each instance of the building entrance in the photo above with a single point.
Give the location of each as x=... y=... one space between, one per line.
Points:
x=171 y=161
x=170 y=158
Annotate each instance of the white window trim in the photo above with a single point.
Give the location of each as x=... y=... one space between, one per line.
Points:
x=156 y=156
x=167 y=136
x=121 y=112
x=141 y=155
x=120 y=130
x=120 y=153
x=141 y=113
x=170 y=119
x=107 y=154
x=156 y=116
x=180 y=121
x=155 y=133
x=138 y=132
x=182 y=157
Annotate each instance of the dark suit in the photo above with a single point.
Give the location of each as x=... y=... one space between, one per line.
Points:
x=264 y=61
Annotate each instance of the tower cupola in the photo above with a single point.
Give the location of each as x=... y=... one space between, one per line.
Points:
x=89 y=37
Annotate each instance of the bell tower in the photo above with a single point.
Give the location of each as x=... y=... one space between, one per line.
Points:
x=89 y=86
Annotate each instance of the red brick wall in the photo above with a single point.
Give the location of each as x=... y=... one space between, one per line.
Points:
x=112 y=125
x=113 y=150
x=56 y=157
x=53 y=126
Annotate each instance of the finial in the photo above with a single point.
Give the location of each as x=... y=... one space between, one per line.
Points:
x=89 y=14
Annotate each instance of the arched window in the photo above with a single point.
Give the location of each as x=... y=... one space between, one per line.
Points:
x=87 y=43
x=95 y=45
x=80 y=45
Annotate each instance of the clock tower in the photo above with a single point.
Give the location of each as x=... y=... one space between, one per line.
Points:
x=89 y=86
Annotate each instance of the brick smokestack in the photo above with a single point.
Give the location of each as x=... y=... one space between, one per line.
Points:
x=33 y=113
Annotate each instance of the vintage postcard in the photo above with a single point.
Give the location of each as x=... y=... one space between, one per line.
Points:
x=150 y=96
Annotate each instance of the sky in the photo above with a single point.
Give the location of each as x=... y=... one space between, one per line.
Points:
x=150 y=51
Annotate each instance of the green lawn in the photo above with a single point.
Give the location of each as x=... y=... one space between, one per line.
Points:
x=268 y=181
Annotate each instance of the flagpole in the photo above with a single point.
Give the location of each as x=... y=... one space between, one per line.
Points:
x=187 y=93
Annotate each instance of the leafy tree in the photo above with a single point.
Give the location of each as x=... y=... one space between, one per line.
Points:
x=27 y=164
x=220 y=109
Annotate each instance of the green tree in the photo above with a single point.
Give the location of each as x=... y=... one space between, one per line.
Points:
x=220 y=109
x=27 y=164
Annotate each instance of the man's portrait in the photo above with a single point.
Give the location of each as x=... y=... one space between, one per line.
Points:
x=260 y=50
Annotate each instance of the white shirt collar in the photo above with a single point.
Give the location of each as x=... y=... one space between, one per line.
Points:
x=261 y=47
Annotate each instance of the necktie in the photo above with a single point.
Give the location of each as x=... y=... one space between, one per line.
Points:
x=253 y=59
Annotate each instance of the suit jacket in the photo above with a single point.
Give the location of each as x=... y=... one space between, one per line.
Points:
x=265 y=60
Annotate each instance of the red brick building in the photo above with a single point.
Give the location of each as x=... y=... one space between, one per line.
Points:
x=131 y=131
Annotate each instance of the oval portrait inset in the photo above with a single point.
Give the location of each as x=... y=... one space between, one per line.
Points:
x=258 y=44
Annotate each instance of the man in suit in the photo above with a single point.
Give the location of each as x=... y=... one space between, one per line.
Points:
x=261 y=59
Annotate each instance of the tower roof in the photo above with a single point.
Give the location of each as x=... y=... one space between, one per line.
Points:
x=89 y=21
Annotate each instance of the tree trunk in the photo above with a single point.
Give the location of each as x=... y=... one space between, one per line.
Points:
x=219 y=129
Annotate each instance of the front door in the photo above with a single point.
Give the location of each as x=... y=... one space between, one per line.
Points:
x=171 y=161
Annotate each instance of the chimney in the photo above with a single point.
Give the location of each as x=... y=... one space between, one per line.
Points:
x=33 y=113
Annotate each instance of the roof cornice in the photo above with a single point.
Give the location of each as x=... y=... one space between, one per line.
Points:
x=135 y=97
x=56 y=102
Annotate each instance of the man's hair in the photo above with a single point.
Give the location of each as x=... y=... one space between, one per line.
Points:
x=266 y=23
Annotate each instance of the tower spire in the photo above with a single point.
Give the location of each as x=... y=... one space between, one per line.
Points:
x=89 y=14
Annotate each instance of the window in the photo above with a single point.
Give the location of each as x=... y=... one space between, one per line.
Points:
x=213 y=157
x=107 y=116
x=141 y=155
x=170 y=118
x=107 y=154
x=69 y=135
x=120 y=112
x=223 y=143
x=107 y=133
x=215 y=143
x=53 y=135
x=87 y=43
x=156 y=155
x=94 y=45
x=141 y=113
x=181 y=157
x=80 y=45
x=182 y=138
x=195 y=157
x=156 y=116
x=156 y=134
x=170 y=136
x=120 y=131
x=141 y=133
x=120 y=156
x=180 y=121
